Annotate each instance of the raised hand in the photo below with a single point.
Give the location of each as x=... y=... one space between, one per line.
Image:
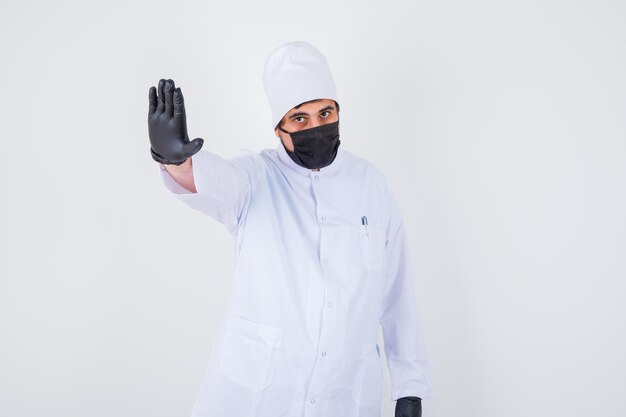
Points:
x=167 y=125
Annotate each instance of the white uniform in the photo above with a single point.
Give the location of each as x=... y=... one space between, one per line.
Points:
x=311 y=285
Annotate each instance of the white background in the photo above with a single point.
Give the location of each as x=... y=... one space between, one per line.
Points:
x=500 y=125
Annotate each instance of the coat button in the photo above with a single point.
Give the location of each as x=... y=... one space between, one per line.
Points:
x=325 y=260
x=317 y=177
x=313 y=401
x=324 y=353
x=323 y=218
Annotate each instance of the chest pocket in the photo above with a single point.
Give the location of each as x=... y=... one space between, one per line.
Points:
x=249 y=352
x=372 y=240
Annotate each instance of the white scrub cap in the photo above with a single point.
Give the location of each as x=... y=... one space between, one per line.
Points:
x=296 y=72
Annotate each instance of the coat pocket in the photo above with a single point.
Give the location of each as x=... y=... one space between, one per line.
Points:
x=369 y=348
x=369 y=390
x=372 y=241
x=249 y=351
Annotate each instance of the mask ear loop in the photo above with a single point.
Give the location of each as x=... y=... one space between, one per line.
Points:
x=280 y=128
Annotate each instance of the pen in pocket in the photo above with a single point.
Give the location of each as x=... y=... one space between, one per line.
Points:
x=364 y=224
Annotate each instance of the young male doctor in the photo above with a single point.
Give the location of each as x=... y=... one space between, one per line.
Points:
x=322 y=257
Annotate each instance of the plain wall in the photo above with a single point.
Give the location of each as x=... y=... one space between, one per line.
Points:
x=500 y=125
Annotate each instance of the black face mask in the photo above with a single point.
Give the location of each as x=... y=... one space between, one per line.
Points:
x=315 y=147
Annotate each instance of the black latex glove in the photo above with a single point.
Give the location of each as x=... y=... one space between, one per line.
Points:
x=409 y=407
x=167 y=125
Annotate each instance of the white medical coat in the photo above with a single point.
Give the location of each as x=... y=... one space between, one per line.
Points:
x=311 y=285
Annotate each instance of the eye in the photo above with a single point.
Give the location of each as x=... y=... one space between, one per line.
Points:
x=296 y=118
x=327 y=114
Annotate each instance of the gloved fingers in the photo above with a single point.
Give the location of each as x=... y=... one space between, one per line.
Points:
x=161 y=98
x=152 y=99
x=169 y=99
x=179 y=103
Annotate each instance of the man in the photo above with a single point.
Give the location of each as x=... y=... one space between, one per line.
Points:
x=322 y=258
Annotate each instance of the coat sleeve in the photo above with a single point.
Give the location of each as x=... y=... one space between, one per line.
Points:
x=405 y=349
x=223 y=185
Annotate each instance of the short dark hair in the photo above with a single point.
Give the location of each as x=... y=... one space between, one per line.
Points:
x=280 y=123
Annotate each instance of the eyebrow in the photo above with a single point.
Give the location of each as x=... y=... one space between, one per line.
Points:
x=298 y=114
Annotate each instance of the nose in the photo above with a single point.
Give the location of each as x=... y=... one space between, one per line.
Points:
x=314 y=123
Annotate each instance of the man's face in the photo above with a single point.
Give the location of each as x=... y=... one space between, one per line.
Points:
x=307 y=116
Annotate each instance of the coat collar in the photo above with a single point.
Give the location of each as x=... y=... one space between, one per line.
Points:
x=327 y=170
